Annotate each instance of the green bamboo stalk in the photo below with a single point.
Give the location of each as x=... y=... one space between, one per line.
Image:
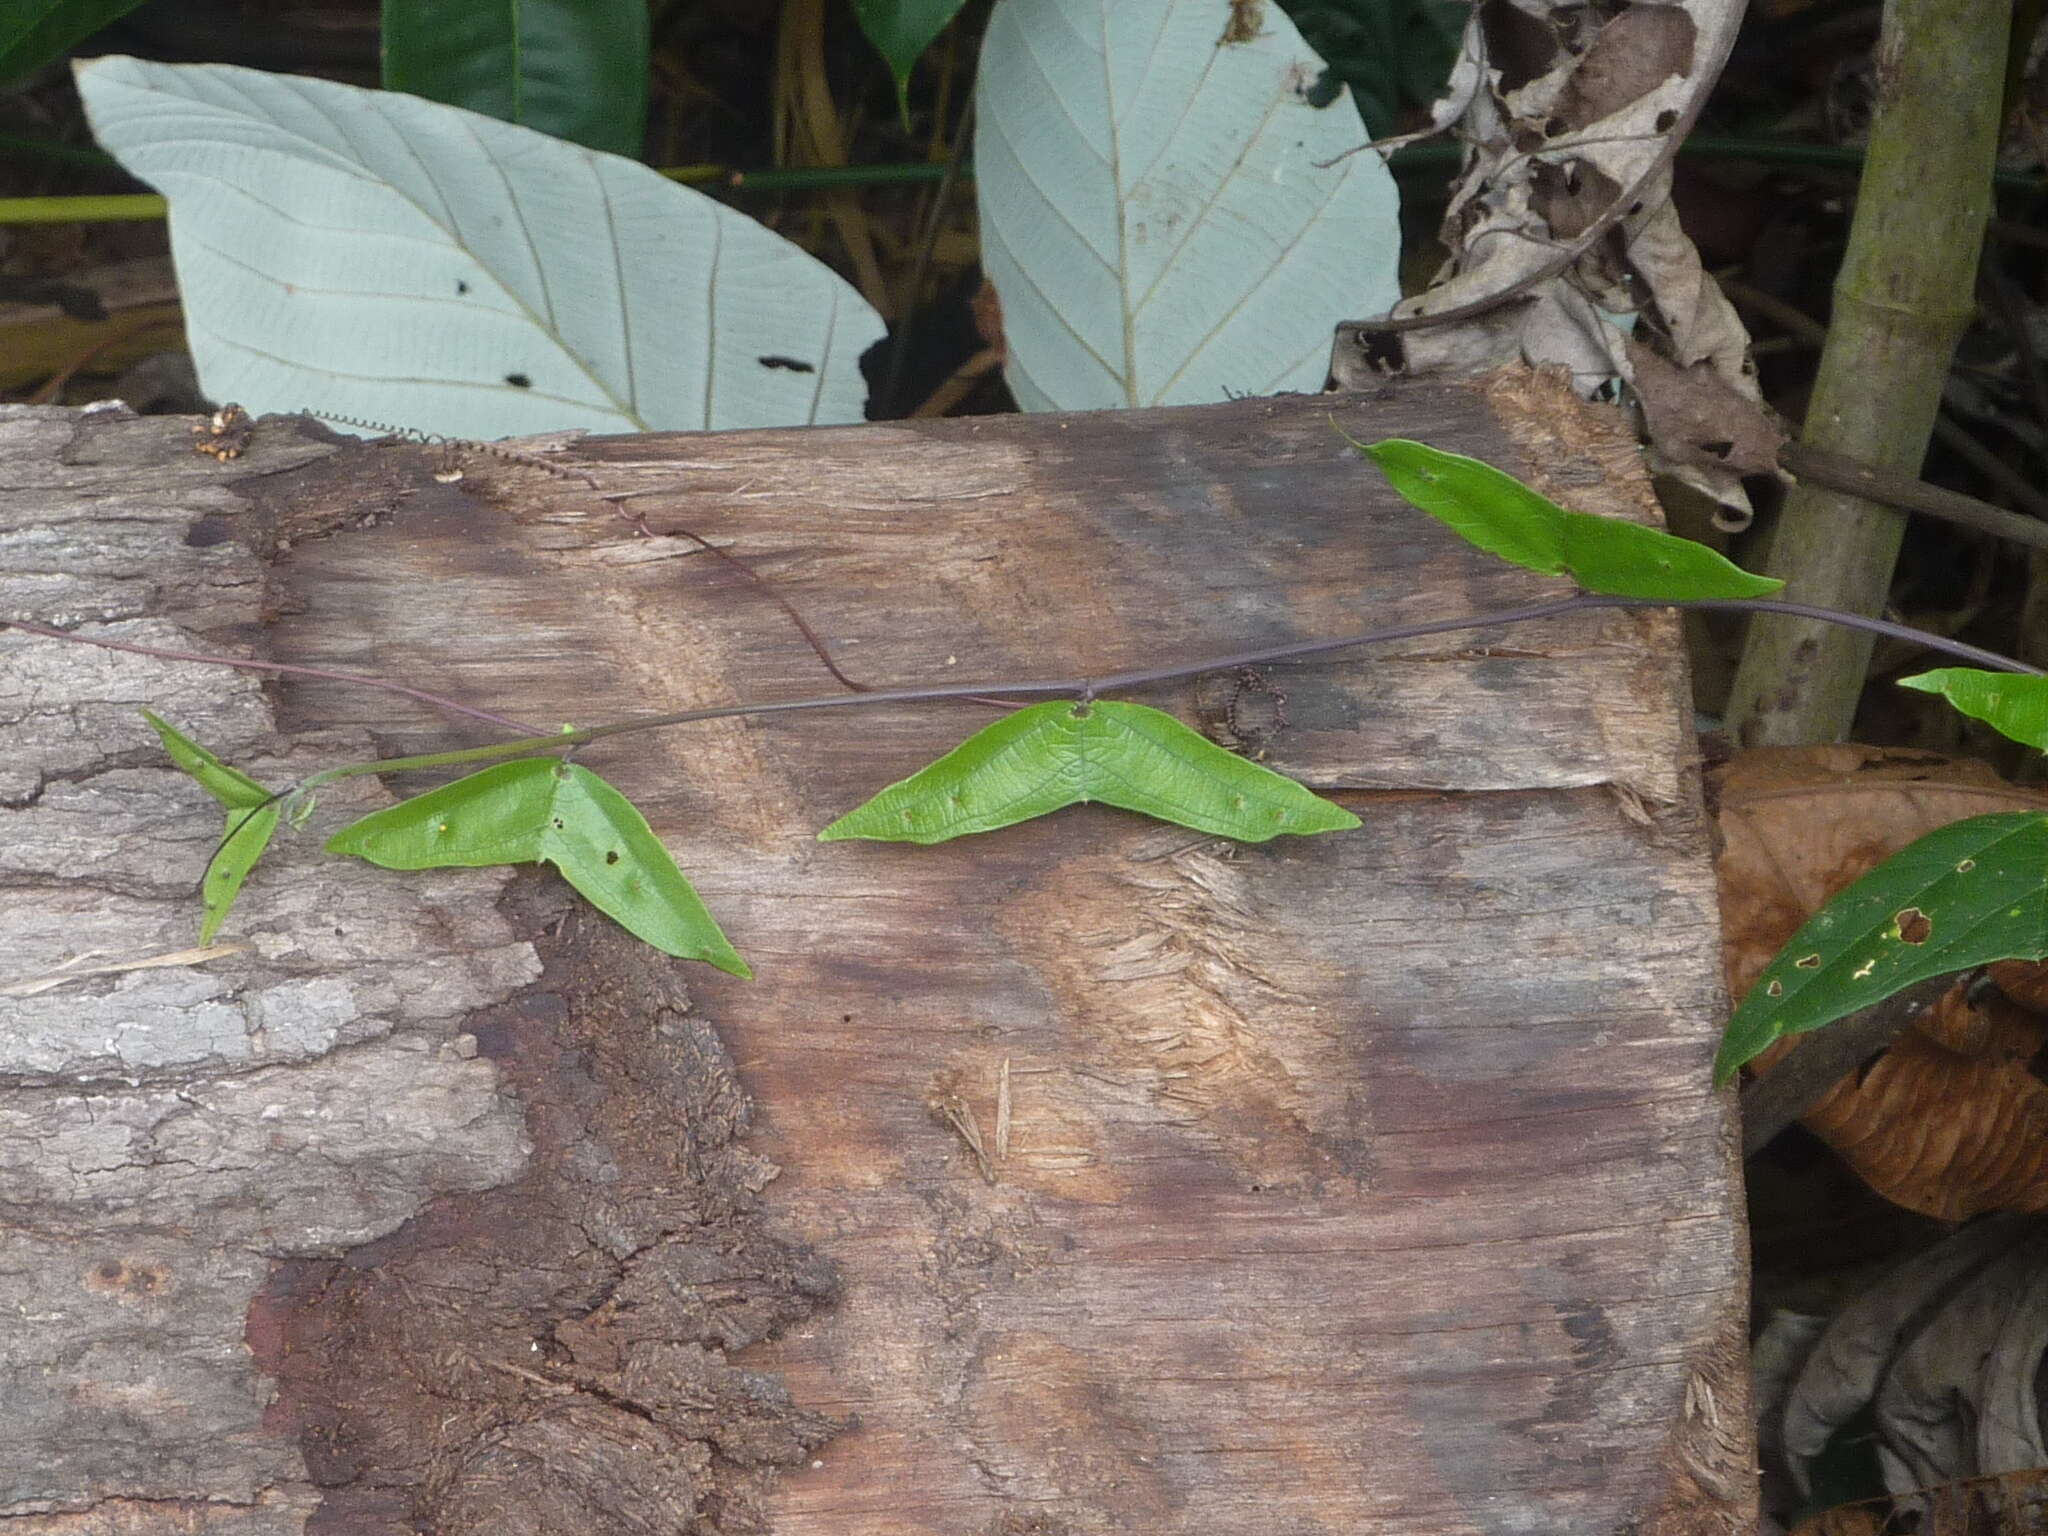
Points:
x=1902 y=298
x=1412 y=158
x=80 y=210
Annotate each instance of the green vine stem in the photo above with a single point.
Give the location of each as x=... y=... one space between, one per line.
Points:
x=1412 y=158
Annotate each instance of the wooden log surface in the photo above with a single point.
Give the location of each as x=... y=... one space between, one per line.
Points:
x=1091 y=1176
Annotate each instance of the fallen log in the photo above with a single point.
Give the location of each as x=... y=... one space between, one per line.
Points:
x=1090 y=1176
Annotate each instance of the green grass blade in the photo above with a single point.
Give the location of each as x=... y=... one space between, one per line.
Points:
x=1050 y=756
x=1965 y=894
x=2011 y=703
x=1504 y=517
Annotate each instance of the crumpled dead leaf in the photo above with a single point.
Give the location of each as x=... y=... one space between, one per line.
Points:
x=1696 y=417
x=1949 y=1121
x=1566 y=121
x=2009 y=1504
x=1944 y=1349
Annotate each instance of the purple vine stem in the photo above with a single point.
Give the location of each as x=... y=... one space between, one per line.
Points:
x=1084 y=688
x=283 y=668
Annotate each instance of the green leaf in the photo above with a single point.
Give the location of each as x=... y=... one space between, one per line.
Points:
x=1504 y=517
x=1055 y=755
x=901 y=30
x=537 y=810
x=248 y=834
x=34 y=33
x=2011 y=703
x=1167 y=217
x=576 y=69
x=230 y=786
x=1963 y=895
x=252 y=820
x=373 y=255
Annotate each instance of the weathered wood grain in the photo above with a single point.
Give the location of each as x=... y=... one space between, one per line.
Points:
x=1100 y=1177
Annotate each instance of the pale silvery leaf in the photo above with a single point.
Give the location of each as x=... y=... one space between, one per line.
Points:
x=1153 y=215
x=369 y=254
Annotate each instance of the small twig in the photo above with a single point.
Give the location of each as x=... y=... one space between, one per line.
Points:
x=899 y=344
x=811 y=636
x=954 y=1111
x=1961 y=442
x=958 y=384
x=1780 y=1096
x=79 y=967
x=1948 y=505
x=1003 y=1111
x=2011 y=308
x=803 y=627
x=1856 y=478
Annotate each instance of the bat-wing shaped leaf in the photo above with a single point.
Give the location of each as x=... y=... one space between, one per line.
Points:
x=1053 y=755
x=1965 y=894
x=374 y=255
x=253 y=813
x=1169 y=217
x=1504 y=517
x=2011 y=703
x=538 y=810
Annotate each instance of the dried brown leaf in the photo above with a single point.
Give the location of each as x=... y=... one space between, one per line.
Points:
x=1696 y=417
x=1631 y=56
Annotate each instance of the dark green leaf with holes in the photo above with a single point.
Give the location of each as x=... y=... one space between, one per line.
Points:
x=1050 y=756
x=539 y=810
x=1602 y=554
x=1964 y=895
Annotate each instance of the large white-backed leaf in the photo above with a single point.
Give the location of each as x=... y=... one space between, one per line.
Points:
x=1152 y=213
x=375 y=255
